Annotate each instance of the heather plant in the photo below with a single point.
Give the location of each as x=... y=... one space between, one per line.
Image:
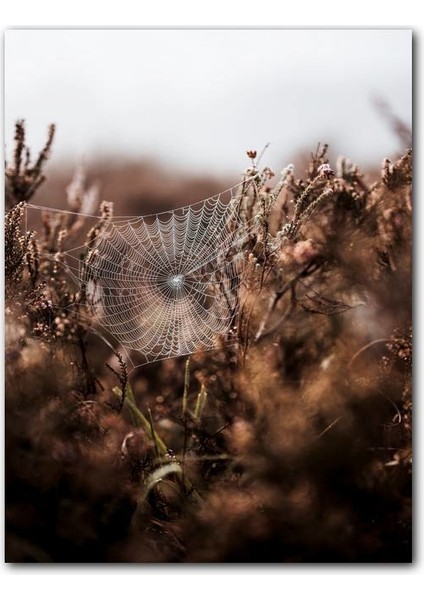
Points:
x=23 y=177
x=291 y=445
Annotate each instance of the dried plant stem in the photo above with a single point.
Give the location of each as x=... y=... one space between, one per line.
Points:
x=364 y=348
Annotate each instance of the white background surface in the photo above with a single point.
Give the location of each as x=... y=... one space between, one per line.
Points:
x=372 y=582
x=198 y=99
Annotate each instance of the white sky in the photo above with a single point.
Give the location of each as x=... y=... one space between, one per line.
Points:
x=198 y=99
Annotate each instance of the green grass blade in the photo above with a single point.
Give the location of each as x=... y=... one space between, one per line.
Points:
x=200 y=402
x=139 y=420
x=186 y=387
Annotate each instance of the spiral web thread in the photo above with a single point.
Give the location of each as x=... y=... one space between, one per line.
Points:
x=167 y=285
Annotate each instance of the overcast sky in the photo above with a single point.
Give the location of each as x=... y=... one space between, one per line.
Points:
x=198 y=99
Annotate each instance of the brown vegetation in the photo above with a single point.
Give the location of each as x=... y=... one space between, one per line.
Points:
x=293 y=446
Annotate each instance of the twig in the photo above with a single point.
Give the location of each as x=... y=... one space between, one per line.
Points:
x=332 y=424
x=361 y=350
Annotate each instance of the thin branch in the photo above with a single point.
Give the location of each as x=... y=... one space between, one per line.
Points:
x=332 y=424
x=364 y=348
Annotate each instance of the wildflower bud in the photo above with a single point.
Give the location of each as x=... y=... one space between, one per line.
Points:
x=269 y=173
x=304 y=251
x=62 y=235
x=386 y=169
x=251 y=154
x=287 y=171
x=106 y=209
x=326 y=171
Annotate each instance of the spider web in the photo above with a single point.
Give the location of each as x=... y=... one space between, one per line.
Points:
x=165 y=285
